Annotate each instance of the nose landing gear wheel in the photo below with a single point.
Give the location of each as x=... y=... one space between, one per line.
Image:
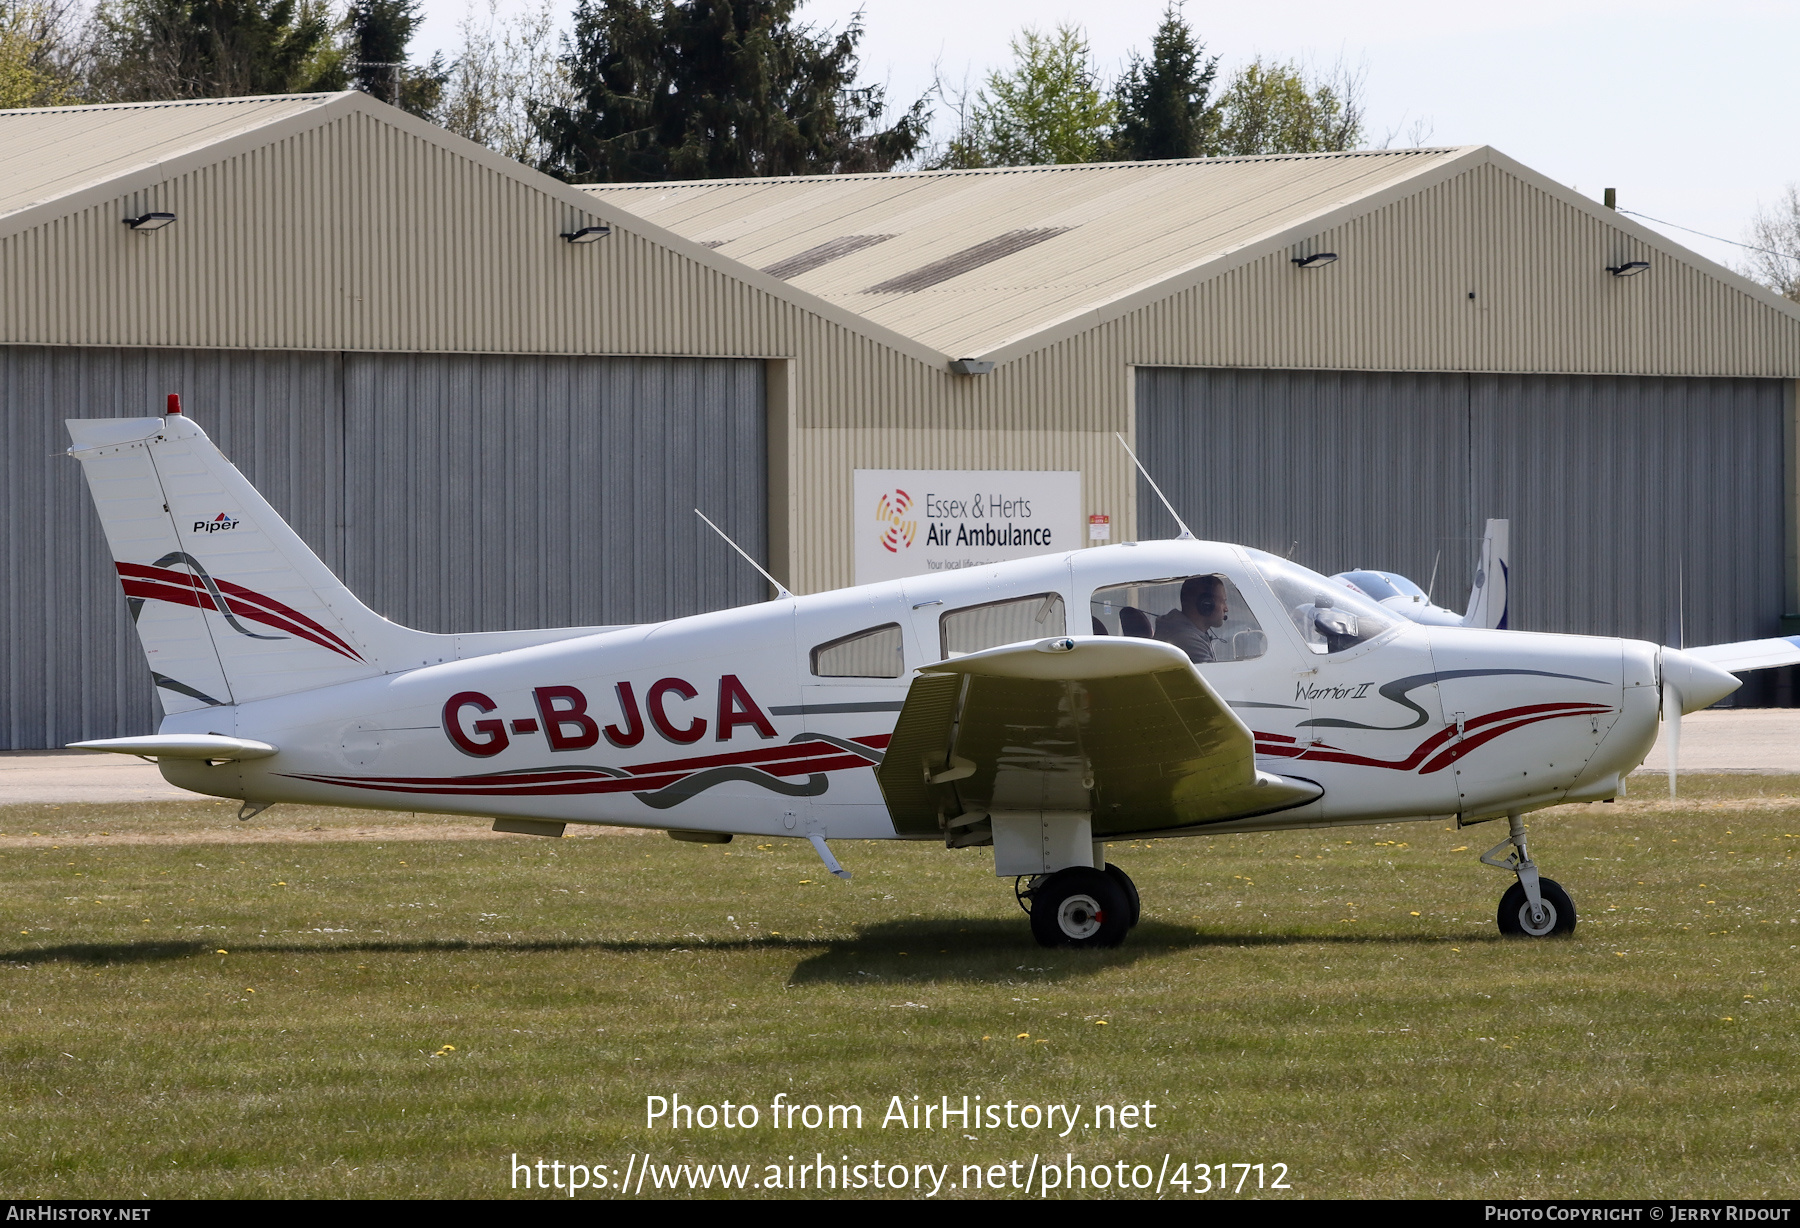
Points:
x=1516 y=920
x=1080 y=908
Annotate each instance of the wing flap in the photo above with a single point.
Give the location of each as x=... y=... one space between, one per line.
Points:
x=1125 y=730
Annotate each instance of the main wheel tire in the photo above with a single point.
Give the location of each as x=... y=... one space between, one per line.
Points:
x=1130 y=889
x=1515 y=912
x=1080 y=908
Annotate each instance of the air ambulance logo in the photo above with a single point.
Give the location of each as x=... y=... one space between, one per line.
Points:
x=897 y=528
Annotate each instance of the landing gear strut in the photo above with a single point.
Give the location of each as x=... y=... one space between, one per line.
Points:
x=1079 y=907
x=1533 y=907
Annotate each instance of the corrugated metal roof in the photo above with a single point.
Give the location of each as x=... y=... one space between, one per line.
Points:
x=979 y=258
x=53 y=151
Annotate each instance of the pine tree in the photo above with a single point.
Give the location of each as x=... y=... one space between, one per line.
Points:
x=1165 y=107
x=378 y=34
x=702 y=89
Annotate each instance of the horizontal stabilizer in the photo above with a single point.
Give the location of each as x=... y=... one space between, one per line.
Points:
x=1750 y=654
x=181 y=746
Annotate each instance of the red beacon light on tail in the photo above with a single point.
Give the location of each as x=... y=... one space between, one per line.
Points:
x=174 y=403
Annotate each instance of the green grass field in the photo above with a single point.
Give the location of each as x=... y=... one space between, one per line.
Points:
x=345 y=1009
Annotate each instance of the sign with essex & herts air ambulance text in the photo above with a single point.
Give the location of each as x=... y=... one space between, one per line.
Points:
x=913 y=521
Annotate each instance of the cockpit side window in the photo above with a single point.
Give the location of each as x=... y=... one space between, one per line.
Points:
x=1331 y=617
x=976 y=627
x=875 y=653
x=1205 y=616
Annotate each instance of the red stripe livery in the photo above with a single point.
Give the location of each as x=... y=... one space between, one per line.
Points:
x=180 y=588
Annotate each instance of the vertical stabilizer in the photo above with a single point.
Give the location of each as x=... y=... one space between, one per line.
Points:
x=1489 y=599
x=229 y=603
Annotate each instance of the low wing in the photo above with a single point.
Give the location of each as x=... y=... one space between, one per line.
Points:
x=1750 y=654
x=1125 y=730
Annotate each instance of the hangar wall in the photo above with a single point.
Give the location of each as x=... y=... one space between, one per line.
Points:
x=1639 y=506
x=452 y=493
x=1534 y=255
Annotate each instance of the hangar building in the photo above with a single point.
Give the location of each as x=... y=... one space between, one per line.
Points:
x=482 y=424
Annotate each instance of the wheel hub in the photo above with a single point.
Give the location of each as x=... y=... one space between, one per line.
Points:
x=1539 y=925
x=1080 y=916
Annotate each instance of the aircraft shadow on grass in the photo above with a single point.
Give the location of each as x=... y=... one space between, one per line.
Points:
x=951 y=949
x=996 y=951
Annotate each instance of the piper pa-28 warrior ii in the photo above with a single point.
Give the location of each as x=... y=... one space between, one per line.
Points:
x=1043 y=707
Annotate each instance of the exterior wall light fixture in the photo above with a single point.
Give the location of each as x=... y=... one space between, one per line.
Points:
x=1631 y=268
x=588 y=234
x=1317 y=260
x=145 y=223
x=971 y=366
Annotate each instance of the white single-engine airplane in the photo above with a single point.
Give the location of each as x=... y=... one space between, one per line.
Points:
x=1488 y=597
x=1044 y=707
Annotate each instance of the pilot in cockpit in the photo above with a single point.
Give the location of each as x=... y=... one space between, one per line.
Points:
x=1204 y=607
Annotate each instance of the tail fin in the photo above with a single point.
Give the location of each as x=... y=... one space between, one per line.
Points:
x=1489 y=599
x=230 y=604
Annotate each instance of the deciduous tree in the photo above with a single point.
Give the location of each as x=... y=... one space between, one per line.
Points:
x=1776 y=232
x=1048 y=106
x=504 y=78
x=1272 y=107
x=38 y=53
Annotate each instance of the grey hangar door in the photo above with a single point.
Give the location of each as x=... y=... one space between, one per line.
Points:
x=1642 y=507
x=451 y=492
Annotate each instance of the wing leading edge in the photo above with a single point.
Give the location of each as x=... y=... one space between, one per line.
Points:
x=1124 y=730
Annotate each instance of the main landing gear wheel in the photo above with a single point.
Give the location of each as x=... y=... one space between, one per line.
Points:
x=1131 y=892
x=1558 y=915
x=1080 y=908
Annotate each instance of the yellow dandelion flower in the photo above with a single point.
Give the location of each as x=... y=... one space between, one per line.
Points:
x=221 y=951
x=1414 y=914
x=1023 y=1036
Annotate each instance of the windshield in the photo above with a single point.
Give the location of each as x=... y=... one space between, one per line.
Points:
x=1330 y=616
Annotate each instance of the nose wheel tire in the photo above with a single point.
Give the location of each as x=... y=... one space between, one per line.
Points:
x=1080 y=908
x=1515 y=916
x=1131 y=892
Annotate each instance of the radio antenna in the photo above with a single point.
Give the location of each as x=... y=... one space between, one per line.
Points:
x=780 y=588
x=1184 y=536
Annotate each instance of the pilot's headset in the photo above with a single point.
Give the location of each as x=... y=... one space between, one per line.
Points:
x=1207 y=589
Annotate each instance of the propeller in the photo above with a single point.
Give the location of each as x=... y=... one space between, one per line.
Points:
x=1671 y=714
x=1688 y=685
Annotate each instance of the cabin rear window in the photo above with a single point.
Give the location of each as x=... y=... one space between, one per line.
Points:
x=874 y=653
x=976 y=627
